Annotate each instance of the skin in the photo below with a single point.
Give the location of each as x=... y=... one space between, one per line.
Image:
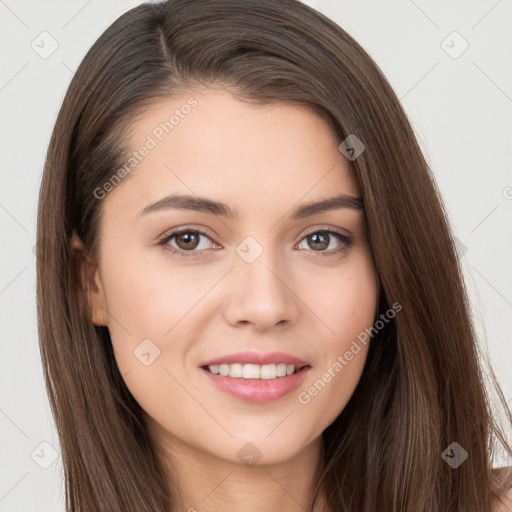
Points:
x=263 y=161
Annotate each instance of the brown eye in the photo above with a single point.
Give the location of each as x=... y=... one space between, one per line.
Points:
x=318 y=240
x=323 y=241
x=188 y=240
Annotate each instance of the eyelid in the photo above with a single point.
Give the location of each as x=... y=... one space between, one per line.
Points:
x=188 y=227
x=315 y=229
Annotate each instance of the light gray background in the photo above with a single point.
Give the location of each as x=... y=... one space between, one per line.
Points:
x=461 y=109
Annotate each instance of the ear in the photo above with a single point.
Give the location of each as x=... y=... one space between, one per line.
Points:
x=90 y=282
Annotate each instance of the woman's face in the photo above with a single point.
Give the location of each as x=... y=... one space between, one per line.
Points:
x=289 y=285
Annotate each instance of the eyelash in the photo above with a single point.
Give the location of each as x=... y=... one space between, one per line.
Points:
x=346 y=241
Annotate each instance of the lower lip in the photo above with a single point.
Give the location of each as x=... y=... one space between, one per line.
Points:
x=258 y=390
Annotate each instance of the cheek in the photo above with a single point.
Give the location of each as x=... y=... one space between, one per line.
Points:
x=147 y=300
x=147 y=307
x=349 y=309
x=348 y=304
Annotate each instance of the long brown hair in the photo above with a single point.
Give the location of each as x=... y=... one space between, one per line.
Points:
x=423 y=386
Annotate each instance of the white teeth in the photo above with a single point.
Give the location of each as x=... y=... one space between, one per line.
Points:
x=281 y=369
x=268 y=371
x=235 y=370
x=252 y=371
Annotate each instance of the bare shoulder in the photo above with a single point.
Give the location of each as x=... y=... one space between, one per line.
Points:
x=504 y=478
x=506 y=505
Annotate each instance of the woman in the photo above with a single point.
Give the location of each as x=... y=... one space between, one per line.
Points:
x=248 y=292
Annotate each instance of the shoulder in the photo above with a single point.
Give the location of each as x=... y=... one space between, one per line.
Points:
x=504 y=479
x=506 y=503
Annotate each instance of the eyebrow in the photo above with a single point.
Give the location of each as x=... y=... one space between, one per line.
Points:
x=205 y=205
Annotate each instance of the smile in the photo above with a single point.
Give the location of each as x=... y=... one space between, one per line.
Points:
x=253 y=371
x=254 y=383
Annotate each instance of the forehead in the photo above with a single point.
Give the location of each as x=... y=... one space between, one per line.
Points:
x=212 y=144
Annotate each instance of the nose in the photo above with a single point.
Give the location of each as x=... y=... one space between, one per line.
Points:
x=262 y=294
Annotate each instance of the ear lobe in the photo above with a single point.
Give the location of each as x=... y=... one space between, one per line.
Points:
x=90 y=283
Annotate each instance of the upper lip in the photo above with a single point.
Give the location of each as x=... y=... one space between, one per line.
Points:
x=257 y=358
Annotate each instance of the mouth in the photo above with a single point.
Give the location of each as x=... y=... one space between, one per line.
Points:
x=254 y=371
x=256 y=383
